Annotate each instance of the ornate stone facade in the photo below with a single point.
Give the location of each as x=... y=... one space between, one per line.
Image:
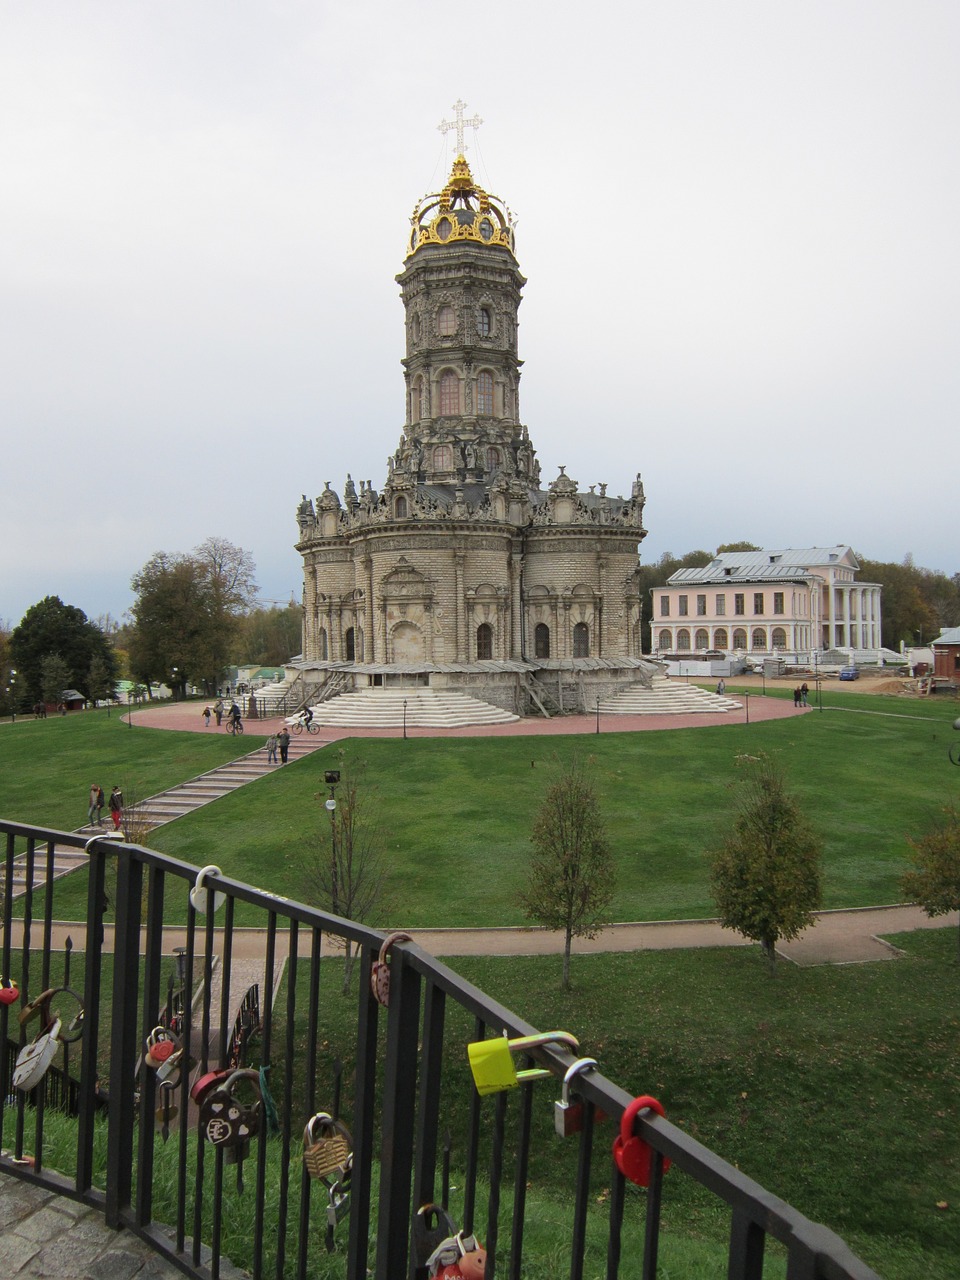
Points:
x=464 y=560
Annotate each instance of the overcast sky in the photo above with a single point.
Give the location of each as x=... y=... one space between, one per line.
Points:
x=738 y=218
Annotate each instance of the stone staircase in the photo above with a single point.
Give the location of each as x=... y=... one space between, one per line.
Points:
x=667 y=697
x=425 y=708
x=162 y=808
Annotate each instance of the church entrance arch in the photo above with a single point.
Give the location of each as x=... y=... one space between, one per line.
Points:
x=407 y=643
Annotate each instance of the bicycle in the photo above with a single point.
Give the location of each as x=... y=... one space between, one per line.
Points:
x=235 y=726
x=302 y=724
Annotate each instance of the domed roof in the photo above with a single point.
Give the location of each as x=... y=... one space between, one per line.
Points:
x=461 y=211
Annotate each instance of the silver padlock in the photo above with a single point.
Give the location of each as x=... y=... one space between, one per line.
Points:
x=567 y=1115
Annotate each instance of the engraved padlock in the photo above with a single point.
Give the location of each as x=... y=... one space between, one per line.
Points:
x=34 y=1058
x=567 y=1115
x=163 y=1052
x=225 y=1121
x=327 y=1146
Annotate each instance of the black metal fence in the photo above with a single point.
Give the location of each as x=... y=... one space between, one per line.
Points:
x=394 y=1076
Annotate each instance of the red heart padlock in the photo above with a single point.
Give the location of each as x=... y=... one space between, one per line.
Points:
x=632 y=1155
x=9 y=991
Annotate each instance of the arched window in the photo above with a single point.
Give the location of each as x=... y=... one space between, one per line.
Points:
x=541 y=640
x=442 y=458
x=759 y=638
x=493 y=458
x=720 y=638
x=483 y=322
x=739 y=638
x=348 y=641
x=581 y=640
x=701 y=640
x=778 y=638
x=485 y=392
x=484 y=640
x=322 y=644
x=683 y=638
x=447 y=322
x=449 y=393
x=666 y=641
x=400 y=509
x=416 y=400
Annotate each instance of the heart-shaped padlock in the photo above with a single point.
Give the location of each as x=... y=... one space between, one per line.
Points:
x=225 y=1121
x=633 y=1156
x=380 y=969
x=161 y=1045
x=9 y=991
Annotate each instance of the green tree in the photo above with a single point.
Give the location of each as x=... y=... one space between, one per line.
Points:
x=934 y=880
x=766 y=875
x=52 y=627
x=737 y=546
x=101 y=681
x=269 y=637
x=571 y=877
x=342 y=864
x=186 y=613
x=54 y=677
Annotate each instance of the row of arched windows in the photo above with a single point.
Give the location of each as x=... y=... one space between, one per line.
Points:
x=352 y=644
x=450 y=400
x=701 y=639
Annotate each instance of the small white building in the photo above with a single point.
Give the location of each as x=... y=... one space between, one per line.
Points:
x=783 y=603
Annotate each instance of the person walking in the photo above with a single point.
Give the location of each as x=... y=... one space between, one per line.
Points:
x=283 y=741
x=721 y=687
x=272 y=749
x=804 y=694
x=116 y=807
x=101 y=801
x=796 y=696
x=206 y=717
x=92 y=807
x=218 y=711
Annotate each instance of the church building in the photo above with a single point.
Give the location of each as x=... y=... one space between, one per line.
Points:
x=464 y=568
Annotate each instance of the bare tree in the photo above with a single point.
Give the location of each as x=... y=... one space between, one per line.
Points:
x=342 y=862
x=571 y=878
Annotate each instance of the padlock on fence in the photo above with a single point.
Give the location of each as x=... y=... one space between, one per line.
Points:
x=199 y=894
x=493 y=1068
x=44 y=1008
x=9 y=991
x=633 y=1156
x=338 y=1199
x=567 y=1115
x=459 y=1256
x=209 y=1080
x=162 y=1052
x=431 y=1226
x=167 y=1111
x=227 y=1122
x=380 y=969
x=34 y=1059
x=327 y=1146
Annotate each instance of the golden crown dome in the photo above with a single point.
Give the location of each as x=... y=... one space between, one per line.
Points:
x=461 y=211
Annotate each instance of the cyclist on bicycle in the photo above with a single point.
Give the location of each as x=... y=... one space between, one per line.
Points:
x=306 y=715
x=234 y=714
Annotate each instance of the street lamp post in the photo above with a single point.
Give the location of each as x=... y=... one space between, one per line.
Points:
x=12 y=694
x=331 y=777
x=746 y=703
x=598 y=713
x=173 y=681
x=404 y=719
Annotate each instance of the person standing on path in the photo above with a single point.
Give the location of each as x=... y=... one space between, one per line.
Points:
x=116 y=807
x=804 y=694
x=100 y=803
x=796 y=696
x=218 y=711
x=721 y=687
x=283 y=741
x=272 y=749
x=92 y=807
x=206 y=717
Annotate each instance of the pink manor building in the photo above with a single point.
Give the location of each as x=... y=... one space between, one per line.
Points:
x=776 y=602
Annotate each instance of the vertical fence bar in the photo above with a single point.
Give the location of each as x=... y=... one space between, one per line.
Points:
x=428 y=1109
x=265 y=1053
x=201 y=1053
x=399 y=1107
x=651 y=1238
x=123 y=1035
x=496 y=1173
x=747 y=1240
x=5 y=959
x=313 y=1013
x=617 y=1195
x=473 y=1146
x=364 y=1119
x=581 y=1198
x=520 y=1183
x=288 y=1051
x=152 y=964
x=89 y=1067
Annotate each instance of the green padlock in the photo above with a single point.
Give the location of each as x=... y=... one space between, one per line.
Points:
x=493 y=1068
